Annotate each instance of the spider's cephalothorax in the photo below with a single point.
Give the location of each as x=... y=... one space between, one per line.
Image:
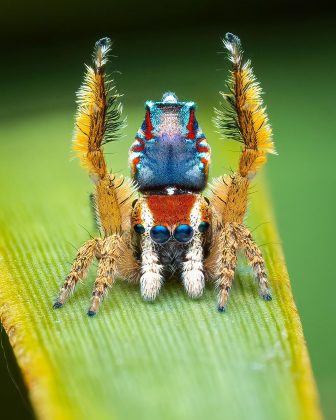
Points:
x=160 y=222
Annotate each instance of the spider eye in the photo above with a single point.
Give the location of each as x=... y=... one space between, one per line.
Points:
x=203 y=227
x=160 y=234
x=139 y=229
x=183 y=233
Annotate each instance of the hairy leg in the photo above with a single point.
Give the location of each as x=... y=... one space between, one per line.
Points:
x=151 y=278
x=129 y=267
x=110 y=251
x=79 y=268
x=226 y=264
x=256 y=260
x=192 y=269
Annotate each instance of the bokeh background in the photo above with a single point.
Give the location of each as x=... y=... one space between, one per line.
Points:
x=176 y=45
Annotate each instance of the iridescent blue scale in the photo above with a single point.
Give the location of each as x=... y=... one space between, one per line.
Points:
x=159 y=234
x=183 y=233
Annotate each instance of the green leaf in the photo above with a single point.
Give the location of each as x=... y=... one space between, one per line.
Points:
x=172 y=359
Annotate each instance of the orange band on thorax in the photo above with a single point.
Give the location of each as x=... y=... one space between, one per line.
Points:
x=171 y=210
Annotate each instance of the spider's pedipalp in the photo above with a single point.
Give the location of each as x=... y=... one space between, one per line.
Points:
x=193 y=276
x=192 y=269
x=151 y=270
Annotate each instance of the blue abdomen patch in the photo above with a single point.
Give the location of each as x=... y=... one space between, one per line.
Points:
x=170 y=150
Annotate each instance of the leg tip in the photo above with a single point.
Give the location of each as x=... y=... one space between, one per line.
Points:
x=221 y=308
x=91 y=313
x=267 y=296
x=195 y=294
x=149 y=296
x=149 y=299
x=57 y=305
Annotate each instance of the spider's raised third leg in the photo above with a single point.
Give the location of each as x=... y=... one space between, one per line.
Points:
x=243 y=119
x=98 y=121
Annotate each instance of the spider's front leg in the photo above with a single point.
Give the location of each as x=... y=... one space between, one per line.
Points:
x=192 y=268
x=151 y=270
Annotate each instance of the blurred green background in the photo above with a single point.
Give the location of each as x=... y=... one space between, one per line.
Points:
x=174 y=46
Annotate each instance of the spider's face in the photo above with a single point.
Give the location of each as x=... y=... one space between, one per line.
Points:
x=170 y=148
x=171 y=217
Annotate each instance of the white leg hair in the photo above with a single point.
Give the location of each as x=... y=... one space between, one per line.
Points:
x=151 y=278
x=192 y=268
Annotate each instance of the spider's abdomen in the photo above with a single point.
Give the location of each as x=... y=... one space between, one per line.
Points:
x=170 y=149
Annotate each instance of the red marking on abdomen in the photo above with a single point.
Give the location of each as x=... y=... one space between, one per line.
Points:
x=206 y=165
x=149 y=127
x=138 y=147
x=190 y=126
x=171 y=210
x=135 y=161
x=200 y=148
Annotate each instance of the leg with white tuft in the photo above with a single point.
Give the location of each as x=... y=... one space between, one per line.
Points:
x=192 y=269
x=151 y=278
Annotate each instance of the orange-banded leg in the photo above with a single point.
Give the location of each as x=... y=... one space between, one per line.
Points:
x=227 y=263
x=110 y=253
x=255 y=259
x=79 y=268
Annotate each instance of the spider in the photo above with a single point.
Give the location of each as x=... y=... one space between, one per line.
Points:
x=159 y=222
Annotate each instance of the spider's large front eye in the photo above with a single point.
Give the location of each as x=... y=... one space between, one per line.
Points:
x=183 y=233
x=159 y=234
